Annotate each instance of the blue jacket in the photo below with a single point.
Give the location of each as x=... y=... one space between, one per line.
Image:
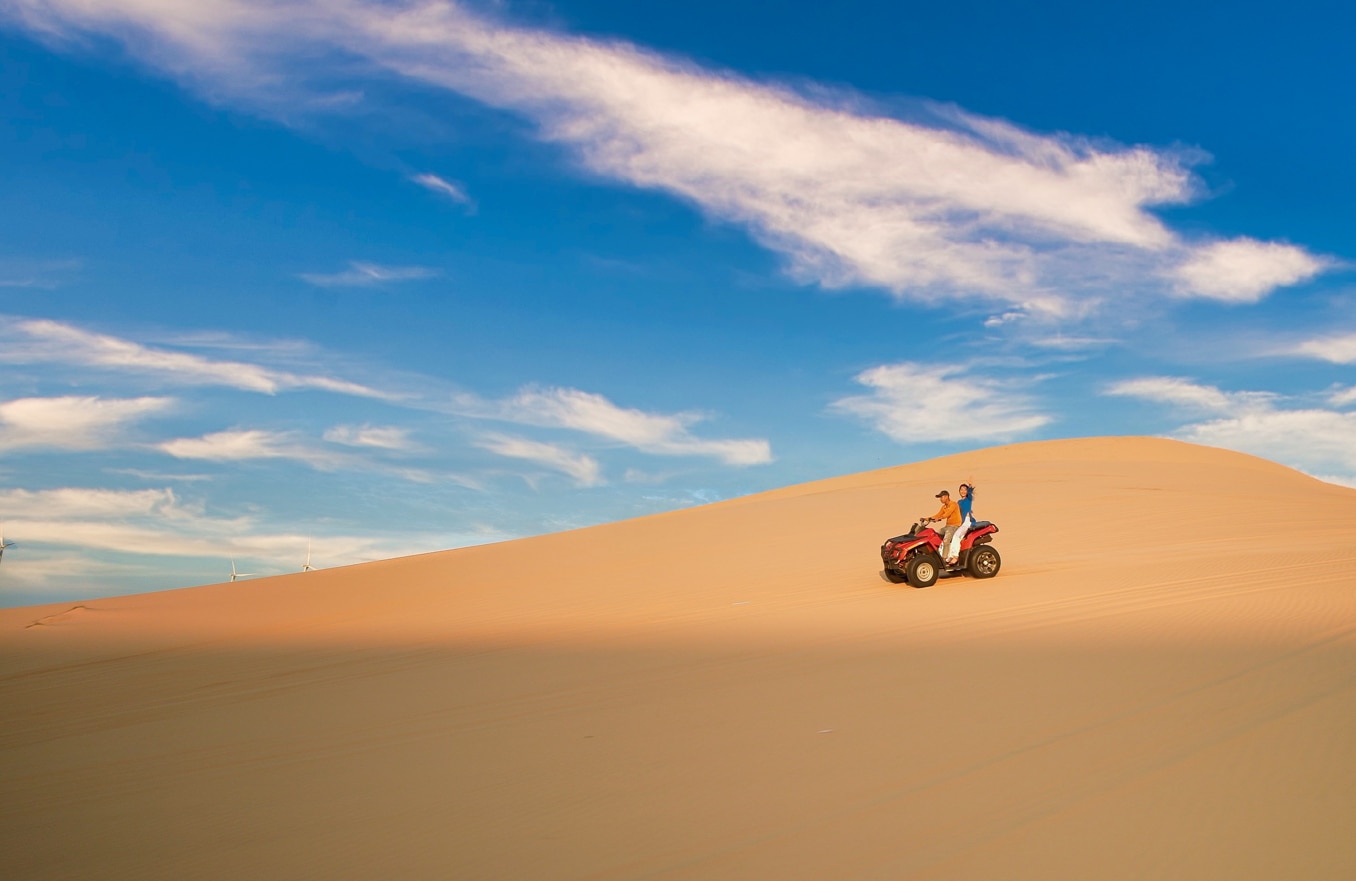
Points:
x=965 y=504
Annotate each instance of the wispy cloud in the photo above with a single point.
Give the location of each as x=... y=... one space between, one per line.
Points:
x=915 y=403
x=379 y=437
x=245 y=444
x=157 y=522
x=159 y=476
x=32 y=341
x=254 y=444
x=116 y=520
x=61 y=572
x=443 y=187
x=362 y=275
x=655 y=433
x=72 y=422
x=1343 y=397
x=1316 y=440
x=45 y=341
x=1338 y=349
x=1062 y=343
x=1180 y=392
x=85 y=502
x=583 y=468
x=850 y=196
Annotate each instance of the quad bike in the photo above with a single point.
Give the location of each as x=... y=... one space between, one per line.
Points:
x=916 y=557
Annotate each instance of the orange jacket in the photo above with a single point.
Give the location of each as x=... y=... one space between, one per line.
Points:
x=950 y=512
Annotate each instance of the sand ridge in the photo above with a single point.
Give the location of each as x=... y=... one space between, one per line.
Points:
x=1161 y=682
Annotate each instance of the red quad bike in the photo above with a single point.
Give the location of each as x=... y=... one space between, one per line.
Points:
x=916 y=558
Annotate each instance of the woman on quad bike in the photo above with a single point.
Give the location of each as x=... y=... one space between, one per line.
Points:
x=966 y=502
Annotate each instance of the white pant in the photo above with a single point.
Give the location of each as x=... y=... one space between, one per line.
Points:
x=952 y=547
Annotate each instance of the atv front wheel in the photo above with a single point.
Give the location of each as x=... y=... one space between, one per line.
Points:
x=923 y=569
x=895 y=577
x=984 y=562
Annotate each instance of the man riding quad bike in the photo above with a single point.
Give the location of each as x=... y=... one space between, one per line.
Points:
x=916 y=557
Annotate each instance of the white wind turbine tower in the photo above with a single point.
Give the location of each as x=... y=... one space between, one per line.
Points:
x=307 y=567
x=235 y=574
x=5 y=544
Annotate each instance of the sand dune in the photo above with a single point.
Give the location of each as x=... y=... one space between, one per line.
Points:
x=1160 y=683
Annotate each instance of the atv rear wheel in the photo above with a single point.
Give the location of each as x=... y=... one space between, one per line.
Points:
x=923 y=569
x=895 y=577
x=984 y=562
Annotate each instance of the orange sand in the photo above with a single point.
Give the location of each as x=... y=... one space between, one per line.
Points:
x=1160 y=683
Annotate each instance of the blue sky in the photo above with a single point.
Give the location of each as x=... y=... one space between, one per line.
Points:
x=383 y=278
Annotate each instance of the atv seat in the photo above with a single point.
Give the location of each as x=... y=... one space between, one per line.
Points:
x=980 y=524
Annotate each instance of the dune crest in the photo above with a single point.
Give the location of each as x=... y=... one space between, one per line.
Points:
x=1159 y=683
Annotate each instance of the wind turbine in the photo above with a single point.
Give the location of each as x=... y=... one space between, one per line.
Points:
x=235 y=574
x=5 y=544
x=307 y=567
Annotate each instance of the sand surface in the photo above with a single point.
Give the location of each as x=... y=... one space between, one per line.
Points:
x=1160 y=683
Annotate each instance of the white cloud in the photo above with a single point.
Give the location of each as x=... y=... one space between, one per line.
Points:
x=654 y=433
x=1313 y=440
x=947 y=201
x=71 y=422
x=584 y=469
x=244 y=444
x=1185 y=393
x=156 y=522
x=361 y=275
x=44 y=341
x=380 y=437
x=84 y=502
x=1343 y=397
x=159 y=476
x=1062 y=343
x=914 y=403
x=1004 y=318
x=1244 y=270
x=1340 y=349
x=60 y=572
x=443 y=187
